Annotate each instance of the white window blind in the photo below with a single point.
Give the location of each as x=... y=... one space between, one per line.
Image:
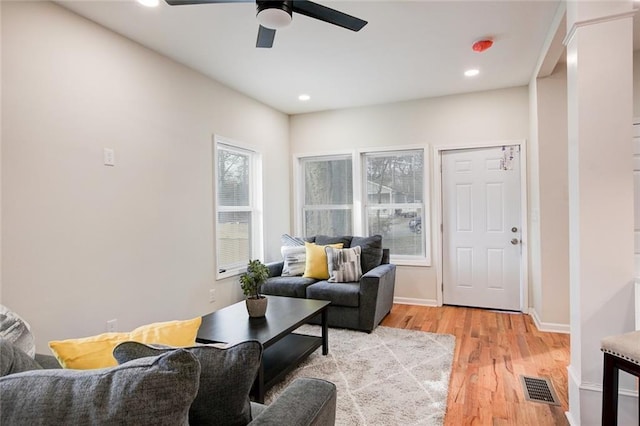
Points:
x=394 y=202
x=238 y=218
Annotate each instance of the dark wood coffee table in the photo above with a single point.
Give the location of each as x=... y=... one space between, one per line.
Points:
x=283 y=350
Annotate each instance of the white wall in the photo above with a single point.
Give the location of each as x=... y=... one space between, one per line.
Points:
x=636 y=83
x=552 y=306
x=533 y=218
x=601 y=219
x=497 y=115
x=83 y=243
x=0 y=155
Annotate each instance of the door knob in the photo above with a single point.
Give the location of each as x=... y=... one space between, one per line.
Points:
x=514 y=241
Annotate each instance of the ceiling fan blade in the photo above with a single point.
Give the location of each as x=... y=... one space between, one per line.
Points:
x=185 y=2
x=265 y=37
x=326 y=14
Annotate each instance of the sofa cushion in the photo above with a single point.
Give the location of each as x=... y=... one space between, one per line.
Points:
x=371 y=251
x=15 y=360
x=386 y=256
x=343 y=294
x=323 y=240
x=316 y=263
x=226 y=378
x=294 y=260
x=96 y=351
x=344 y=264
x=287 y=286
x=148 y=391
x=16 y=330
x=47 y=361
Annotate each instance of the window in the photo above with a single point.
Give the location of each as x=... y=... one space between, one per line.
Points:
x=389 y=198
x=328 y=195
x=394 y=204
x=238 y=207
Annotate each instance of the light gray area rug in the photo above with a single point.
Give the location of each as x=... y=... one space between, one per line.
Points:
x=389 y=377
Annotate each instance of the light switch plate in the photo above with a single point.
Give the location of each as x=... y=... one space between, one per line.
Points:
x=109 y=157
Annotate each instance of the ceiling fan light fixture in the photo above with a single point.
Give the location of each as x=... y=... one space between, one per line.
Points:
x=274 y=14
x=149 y=3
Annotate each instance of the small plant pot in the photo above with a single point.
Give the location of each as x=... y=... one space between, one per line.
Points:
x=256 y=308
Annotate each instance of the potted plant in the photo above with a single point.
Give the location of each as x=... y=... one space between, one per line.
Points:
x=251 y=281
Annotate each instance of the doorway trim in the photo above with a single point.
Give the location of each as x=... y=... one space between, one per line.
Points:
x=436 y=221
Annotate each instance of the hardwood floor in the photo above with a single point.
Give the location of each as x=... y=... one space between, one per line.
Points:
x=492 y=350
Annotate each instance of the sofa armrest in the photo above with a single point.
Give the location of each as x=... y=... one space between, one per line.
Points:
x=275 y=268
x=380 y=272
x=305 y=402
x=376 y=295
x=47 y=361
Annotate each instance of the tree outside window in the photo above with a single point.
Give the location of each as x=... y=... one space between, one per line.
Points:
x=394 y=206
x=328 y=196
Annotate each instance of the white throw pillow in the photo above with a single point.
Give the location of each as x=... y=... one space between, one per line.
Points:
x=16 y=330
x=294 y=260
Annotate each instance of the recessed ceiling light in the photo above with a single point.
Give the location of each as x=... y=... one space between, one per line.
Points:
x=149 y=3
x=304 y=97
x=471 y=73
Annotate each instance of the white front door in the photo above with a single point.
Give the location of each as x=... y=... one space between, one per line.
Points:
x=481 y=227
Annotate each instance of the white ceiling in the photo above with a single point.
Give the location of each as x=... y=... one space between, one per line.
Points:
x=408 y=50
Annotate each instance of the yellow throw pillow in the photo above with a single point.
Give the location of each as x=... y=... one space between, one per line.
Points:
x=96 y=351
x=316 y=263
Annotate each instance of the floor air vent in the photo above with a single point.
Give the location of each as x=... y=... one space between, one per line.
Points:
x=537 y=389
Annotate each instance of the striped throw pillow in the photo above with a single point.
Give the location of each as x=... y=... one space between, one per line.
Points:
x=344 y=264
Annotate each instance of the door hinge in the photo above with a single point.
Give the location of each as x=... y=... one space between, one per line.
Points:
x=441 y=227
x=442 y=287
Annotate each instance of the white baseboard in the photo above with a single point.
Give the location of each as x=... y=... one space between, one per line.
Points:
x=412 y=301
x=573 y=387
x=550 y=327
x=597 y=387
x=570 y=419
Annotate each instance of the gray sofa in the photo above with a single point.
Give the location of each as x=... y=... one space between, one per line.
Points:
x=37 y=391
x=357 y=305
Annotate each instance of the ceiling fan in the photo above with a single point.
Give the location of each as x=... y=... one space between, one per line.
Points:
x=274 y=14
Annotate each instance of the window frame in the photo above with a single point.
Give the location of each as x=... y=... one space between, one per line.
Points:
x=359 y=210
x=255 y=206
x=299 y=188
x=407 y=260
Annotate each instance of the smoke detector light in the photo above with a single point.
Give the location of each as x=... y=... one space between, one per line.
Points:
x=304 y=97
x=482 y=45
x=471 y=73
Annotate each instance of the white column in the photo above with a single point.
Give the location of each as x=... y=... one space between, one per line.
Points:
x=601 y=219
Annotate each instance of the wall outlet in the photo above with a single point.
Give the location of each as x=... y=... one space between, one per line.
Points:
x=112 y=325
x=212 y=295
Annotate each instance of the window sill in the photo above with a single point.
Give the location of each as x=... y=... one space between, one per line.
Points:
x=229 y=273
x=411 y=262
